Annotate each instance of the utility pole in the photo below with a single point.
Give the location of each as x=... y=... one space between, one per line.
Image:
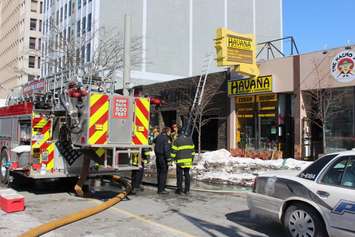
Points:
x=127 y=56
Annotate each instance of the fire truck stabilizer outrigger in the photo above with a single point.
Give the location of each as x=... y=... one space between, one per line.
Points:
x=65 y=126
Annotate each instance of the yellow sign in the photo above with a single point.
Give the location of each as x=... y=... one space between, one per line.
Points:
x=244 y=99
x=237 y=50
x=266 y=98
x=248 y=86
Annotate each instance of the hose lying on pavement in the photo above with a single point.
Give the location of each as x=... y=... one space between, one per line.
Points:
x=52 y=225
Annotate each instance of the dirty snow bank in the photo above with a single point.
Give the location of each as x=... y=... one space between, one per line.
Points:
x=220 y=167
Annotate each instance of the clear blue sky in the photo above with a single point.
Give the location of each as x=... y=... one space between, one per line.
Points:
x=319 y=23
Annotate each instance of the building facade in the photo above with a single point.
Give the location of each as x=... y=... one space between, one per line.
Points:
x=20 y=43
x=306 y=110
x=174 y=36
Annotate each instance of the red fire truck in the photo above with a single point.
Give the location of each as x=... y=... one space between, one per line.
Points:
x=54 y=123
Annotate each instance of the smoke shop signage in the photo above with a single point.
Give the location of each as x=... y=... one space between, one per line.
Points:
x=342 y=66
x=260 y=84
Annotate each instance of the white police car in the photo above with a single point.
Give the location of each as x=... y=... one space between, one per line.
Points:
x=319 y=202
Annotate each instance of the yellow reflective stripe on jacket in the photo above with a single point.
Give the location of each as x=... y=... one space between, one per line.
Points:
x=172 y=155
x=184 y=160
x=180 y=148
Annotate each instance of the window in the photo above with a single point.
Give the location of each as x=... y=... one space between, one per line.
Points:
x=39 y=62
x=89 y=22
x=34 y=5
x=65 y=11
x=79 y=4
x=78 y=28
x=69 y=13
x=312 y=171
x=32 y=43
x=84 y=24
x=61 y=14
x=39 y=44
x=64 y=35
x=84 y=2
x=40 y=26
x=57 y=17
x=30 y=77
x=341 y=173
x=33 y=24
x=41 y=7
x=69 y=33
x=31 y=61
x=348 y=179
x=88 y=52
x=45 y=5
x=82 y=55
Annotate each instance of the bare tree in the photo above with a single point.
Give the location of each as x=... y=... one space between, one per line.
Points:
x=323 y=103
x=65 y=51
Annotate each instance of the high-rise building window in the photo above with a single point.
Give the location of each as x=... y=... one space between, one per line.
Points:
x=39 y=44
x=41 y=7
x=70 y=7
x=88 y=52
x=61 y=14
x=84 y=2
x=79 y=4
x=31 y=61
x=39 y=62
x=57 y=17
x=89 y=22
x=69 y=33
x=33 y=24
x=34 y=4
x=32 y=44
x=40 y=26
x=78 y=28
x=82 y=55
x=84 y=24
x=65 y=11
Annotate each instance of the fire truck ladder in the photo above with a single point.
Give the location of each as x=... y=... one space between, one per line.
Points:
x=196 y=105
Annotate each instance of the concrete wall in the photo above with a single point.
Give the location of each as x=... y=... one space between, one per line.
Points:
x=281 y=70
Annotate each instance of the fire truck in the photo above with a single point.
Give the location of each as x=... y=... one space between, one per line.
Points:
x=51 y=125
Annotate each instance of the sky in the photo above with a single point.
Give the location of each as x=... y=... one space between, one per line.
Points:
x=319 y=24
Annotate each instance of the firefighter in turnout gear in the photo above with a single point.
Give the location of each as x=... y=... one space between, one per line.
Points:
x=183 y=152
x=137 y=175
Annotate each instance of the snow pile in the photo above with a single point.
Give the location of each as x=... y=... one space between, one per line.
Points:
x=220 y=167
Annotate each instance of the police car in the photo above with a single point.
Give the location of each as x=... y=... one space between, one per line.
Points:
x=318 y=202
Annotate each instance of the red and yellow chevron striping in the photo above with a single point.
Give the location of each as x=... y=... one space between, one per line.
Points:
x=141 y=121
x=98 y=122
x=42 y=140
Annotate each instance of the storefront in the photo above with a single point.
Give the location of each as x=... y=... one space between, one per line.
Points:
x=261 y=110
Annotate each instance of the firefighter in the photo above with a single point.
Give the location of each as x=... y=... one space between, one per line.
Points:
x=183 y=152
x=162 y=153
x=137 y=175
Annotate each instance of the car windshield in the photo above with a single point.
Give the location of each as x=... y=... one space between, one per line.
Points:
x=312 y=171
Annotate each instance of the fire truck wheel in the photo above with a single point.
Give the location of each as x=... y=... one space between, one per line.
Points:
x=4 y=172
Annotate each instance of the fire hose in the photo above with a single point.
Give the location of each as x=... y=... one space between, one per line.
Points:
x=55 y=224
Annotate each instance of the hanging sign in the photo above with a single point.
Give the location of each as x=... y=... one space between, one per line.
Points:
x=236 y=50
x=249 y=86
x=342 y=66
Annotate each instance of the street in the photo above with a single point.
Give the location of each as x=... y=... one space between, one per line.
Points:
x=145 y=214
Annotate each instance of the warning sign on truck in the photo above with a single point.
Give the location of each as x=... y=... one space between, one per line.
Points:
x=120 y=107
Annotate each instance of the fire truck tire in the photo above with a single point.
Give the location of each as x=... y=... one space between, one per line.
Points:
x=4 y=172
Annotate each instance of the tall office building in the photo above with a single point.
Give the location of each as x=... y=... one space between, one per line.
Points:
x=175 y=36
x=20 y=42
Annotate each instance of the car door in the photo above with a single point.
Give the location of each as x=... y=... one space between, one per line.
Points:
x=336 y=186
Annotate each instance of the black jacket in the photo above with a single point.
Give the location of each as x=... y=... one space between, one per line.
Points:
x=162 y=146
